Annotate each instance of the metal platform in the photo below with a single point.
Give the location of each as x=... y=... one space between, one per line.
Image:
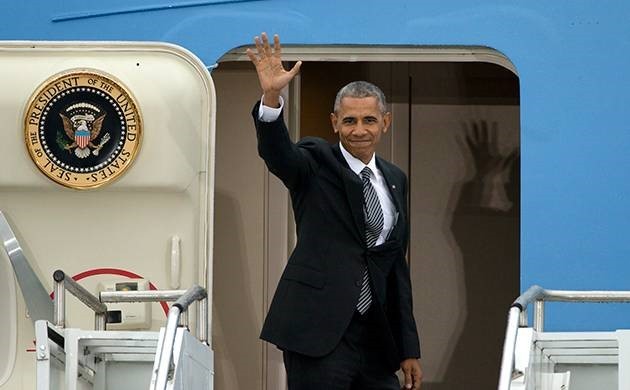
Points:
x=537 y=360
x=75 y=359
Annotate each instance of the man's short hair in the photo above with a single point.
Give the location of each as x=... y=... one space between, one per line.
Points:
x=361 y=89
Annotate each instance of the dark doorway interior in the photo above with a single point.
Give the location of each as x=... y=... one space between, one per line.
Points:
x=456 y=133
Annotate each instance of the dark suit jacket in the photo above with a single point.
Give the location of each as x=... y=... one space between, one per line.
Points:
x=319 y=289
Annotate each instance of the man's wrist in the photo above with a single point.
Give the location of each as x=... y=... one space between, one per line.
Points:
x=271 y=99
x=269 y=114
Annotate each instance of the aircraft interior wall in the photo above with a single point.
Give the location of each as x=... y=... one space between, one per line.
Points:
x=239 y=240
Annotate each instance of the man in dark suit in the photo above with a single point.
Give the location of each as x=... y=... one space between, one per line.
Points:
x=342 y=311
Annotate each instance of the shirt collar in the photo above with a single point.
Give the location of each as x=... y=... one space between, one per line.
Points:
x=357 y=165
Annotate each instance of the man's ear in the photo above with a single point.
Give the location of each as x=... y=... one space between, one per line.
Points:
x=333 y=121
x=387 y=121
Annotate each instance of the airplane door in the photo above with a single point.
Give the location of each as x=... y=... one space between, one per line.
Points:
x=107 y=169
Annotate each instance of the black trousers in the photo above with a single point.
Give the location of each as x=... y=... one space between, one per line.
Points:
x=357 y=363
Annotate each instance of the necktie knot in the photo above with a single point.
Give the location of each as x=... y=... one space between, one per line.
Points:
x=366 y=173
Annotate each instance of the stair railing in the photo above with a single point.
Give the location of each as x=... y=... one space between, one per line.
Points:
x=164 y=355
x=63 y=283
x=517 y=316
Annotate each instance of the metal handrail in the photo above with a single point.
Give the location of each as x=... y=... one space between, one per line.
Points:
x=63 y=283
x=538 y=296
x=141 y=296
x=164 y=356
x=149 y=296
x=35 y=295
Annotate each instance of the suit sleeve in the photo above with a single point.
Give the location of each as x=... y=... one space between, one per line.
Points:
x=401 y=315
x=284 y=159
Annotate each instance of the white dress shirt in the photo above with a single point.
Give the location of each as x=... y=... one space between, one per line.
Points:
x=270 y=114
x=380 y=186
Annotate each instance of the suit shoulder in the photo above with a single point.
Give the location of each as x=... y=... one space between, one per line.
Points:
x=392 y=169
x=317 y=147
x=313 y=143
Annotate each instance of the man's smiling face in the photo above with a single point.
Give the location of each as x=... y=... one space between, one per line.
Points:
x=360 y=124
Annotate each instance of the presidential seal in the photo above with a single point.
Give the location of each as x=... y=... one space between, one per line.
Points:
x=82 y=128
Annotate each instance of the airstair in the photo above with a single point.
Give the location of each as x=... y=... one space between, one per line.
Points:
x=534 y=359
x=99 y=359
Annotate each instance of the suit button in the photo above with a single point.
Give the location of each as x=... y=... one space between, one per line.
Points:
x=358 y=282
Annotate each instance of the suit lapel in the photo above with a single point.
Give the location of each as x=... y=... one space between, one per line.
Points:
x=354 y=192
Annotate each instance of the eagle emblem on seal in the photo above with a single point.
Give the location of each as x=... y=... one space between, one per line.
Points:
x=82 y=124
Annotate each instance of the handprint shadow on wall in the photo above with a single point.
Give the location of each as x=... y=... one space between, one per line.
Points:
x=486 y=227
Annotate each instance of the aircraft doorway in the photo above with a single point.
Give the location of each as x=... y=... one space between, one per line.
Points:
x=456 y=133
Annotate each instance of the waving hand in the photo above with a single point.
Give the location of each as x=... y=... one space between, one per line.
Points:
x=271 y=74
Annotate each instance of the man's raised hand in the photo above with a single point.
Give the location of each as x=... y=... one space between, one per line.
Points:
x=271 y=74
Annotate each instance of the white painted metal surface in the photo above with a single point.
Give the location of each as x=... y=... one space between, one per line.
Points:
x=623 y=337
x=507 y=361
x=129 y=224
x=8 y=319
x=193 y=363
x=86 y=357
x=575 y=360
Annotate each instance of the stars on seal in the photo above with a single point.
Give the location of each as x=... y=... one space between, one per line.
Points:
x=82 y=125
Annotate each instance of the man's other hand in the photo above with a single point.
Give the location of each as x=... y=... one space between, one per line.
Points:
x=413 y=373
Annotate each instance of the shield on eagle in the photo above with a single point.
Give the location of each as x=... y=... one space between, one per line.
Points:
x=82 y=137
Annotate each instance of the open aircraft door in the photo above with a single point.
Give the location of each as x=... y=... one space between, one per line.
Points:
x=107 y=173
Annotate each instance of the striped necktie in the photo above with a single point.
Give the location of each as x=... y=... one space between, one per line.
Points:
x=373 y=227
